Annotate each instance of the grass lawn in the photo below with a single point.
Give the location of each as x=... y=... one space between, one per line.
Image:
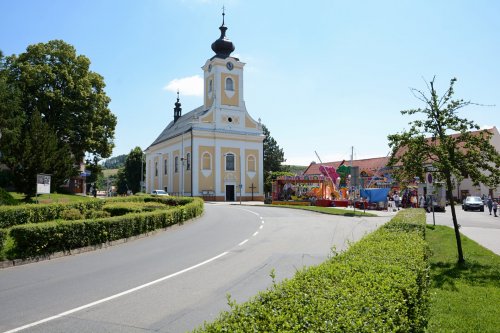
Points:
x=327 y=210
x=463 y=298
x=51 y=198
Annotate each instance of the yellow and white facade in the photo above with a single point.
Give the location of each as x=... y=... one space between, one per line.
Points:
x=216 y=150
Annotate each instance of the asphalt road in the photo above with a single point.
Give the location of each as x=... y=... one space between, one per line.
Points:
x=478 y=226
x=174 y=280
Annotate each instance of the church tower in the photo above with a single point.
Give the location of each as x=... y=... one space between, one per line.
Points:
x=216 y=150
x=223 y=75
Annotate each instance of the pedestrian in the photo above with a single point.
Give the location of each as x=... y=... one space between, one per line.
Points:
x=397 y=200
x=489 y=203
x=495 y=207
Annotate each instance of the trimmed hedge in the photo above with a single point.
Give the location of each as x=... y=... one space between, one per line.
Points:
x=3 y=236
x=36 y=213
x=380 y=284
x=39 y=239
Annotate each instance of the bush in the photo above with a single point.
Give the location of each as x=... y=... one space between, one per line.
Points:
x=3 y=236
x=38 y=239
x=379 y=285
x=36 y=213
x=71 y=214
x=96 y=214
x=6 y=198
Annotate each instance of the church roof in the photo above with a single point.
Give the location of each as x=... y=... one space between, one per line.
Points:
x=182 y=125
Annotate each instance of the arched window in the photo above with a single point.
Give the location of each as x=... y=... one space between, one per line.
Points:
x=229 y=84
x=165 y=166
x=251 y=164
x=176 y=164
x=188 y=161
x=156 y=169
x=229 y=162
x=206 y=161
x=210 y=86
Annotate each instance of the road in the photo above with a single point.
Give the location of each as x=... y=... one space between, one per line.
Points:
x=176 y=279
x=478 y=226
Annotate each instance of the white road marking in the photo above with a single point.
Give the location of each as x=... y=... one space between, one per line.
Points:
x=240 y=244
x=261 y=227
x=255 y=233
x=123 y=293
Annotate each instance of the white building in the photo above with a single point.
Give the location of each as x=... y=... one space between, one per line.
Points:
x=216 y=150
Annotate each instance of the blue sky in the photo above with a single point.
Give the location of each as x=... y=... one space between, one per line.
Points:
x=322 y=75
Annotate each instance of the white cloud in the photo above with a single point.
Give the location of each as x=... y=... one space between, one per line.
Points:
x=187 y=86
x=483 y=127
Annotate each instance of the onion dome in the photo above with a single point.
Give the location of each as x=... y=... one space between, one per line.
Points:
x=222 y=46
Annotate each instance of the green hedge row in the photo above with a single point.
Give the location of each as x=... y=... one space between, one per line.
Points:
x=379 y=285
x=3 y=236
x=36 y=213
x=38 y=239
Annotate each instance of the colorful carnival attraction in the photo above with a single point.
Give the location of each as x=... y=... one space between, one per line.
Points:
x=340 y=186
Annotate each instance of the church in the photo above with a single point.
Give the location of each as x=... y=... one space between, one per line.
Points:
x=216 y=150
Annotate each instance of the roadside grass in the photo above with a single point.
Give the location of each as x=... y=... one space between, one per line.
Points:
x=327 y=210
x=464 y=298
x=50 y=198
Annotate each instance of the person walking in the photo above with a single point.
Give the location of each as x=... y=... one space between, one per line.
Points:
x=489 y=203
x=495 y=207
x=397 y=200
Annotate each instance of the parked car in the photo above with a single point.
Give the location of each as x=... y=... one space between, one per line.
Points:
x=159 y=192
x=473 y=203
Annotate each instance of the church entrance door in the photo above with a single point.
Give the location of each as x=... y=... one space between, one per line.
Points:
x=229 y=192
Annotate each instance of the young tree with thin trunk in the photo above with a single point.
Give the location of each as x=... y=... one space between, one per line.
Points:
x=449 y=146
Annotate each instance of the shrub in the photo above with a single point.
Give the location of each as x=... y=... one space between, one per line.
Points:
x=36 y=213
x=6 y=198
x=38 y=239
x=71 y=214
x=379 y=285
x=96 y=214
x=3 y=236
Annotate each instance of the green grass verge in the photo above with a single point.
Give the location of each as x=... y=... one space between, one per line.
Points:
x=463 y=298
x=326 y=210
x=50 y=198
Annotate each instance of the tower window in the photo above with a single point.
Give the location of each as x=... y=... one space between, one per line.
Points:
x=210 y=86
x=229 y=84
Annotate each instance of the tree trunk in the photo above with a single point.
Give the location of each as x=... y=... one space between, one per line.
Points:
x=449 y=195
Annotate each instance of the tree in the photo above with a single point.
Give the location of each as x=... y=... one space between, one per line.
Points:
x=273 y=154
x=56 y=83
x=429 y=146
x=132 y=169
x=41 y=154
x=273 y=157
x=121 y=182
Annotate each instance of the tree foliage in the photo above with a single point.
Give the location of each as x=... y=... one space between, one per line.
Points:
x=273 y=154
x=442 y=142
x=132 y=169
x=52 y=84
x=273 y=157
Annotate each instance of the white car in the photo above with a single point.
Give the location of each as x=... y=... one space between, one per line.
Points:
x=159 y=192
